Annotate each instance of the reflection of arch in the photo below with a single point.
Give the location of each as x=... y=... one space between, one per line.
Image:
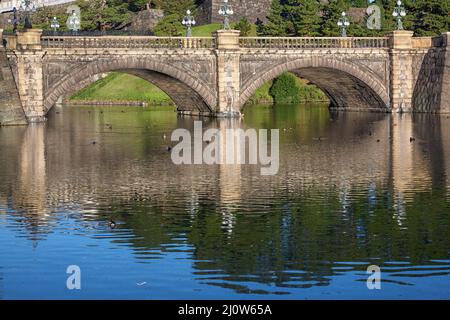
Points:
x=180 y=86
x=344 y=82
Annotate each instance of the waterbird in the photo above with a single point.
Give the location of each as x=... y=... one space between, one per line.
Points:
x=169 y=148
x=137 y=196
x=112 y=224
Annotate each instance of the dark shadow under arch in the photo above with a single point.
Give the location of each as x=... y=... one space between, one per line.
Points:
x=349 y=87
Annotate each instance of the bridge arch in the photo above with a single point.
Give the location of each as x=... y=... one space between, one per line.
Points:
x=189 y=93
x=343 y=82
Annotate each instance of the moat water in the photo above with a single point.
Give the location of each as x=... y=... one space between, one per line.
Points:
x=353 y=190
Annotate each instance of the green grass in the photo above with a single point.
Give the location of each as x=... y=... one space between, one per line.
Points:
x=208 y=29
x=123 y=87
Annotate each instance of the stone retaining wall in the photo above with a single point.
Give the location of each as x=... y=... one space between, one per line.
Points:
x=11 y=111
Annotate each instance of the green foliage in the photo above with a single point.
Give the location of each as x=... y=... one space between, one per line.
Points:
x=331 y=15
x=311 y=18
x=276 y=25
x=170 y=26
x=288 y=88
x=244 y=26
x=104 y=14
x=430 y=17
x=175 y=6
x=305 y=17
x=285 y=89
x=359 y=3
x=262 y=95
x=43 y=16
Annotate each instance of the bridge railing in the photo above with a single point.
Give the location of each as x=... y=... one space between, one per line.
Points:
x=313 y=43
x=128 y=42
x=427 y=42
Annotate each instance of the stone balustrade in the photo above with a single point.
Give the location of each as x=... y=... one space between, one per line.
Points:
x=313 y=43
x=143 y=42
x=128 y=42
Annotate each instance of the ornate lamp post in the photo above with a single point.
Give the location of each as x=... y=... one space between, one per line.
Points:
x=55 y=25
x=188 y=22
x=344 y=23
x=28 y=6
x=15 y=20
x=399 y=13
x=74 y=22
x=226 y=10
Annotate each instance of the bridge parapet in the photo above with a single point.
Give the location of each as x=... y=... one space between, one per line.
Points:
x=146 y=42
x=313 y=42
x=427 y=42
x=128 y=42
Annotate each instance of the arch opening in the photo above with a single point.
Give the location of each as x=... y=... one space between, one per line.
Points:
x=187 y=93
x=349 y=87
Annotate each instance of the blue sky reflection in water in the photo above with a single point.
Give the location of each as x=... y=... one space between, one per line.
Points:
x=352 y=190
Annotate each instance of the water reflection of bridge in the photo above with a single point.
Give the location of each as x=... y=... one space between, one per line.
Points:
x=380 y=152
x=357 y=155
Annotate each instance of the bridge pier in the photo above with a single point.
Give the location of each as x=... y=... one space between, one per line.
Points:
x=228 y=73
x=29 y=56
x=401 y=75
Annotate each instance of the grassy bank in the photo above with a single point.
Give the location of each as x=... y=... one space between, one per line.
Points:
x=123 y=87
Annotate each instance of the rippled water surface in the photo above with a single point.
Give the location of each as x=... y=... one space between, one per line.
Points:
x=353 y=190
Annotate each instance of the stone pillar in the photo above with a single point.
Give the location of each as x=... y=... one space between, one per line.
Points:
x=228 y=73
x=401 y=78
x=446 y=39
x=30 y=74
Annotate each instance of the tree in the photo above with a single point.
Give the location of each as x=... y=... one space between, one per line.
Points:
x=388 y=23
x=429 y=17
x=104 y=14
x=305 y=17
x=359 y=3
x=331 y=15
x=285 y=89
x=276 y=24
x=170 y=26
x=244 y=26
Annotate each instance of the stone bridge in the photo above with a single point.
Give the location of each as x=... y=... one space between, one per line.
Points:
x=217 y=75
